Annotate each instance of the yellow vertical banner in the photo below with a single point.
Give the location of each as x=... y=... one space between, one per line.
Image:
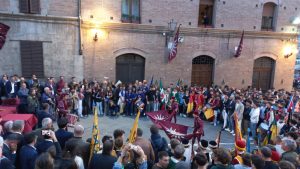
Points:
x=133 y=130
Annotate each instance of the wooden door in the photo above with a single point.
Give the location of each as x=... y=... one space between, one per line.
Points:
x=130 y=67
x=262 y=73
x=202 y=71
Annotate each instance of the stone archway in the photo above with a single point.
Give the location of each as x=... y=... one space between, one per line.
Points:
x=263 y=73
x=202 y=70
x=130 y=67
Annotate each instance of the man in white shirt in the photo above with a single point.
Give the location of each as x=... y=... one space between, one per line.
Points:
x=254 y=117
x=239 y=110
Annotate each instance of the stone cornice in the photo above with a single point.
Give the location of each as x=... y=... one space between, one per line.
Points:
x=38 y=18
x=150 y=29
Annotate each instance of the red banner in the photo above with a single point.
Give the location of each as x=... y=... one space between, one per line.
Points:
x=3 y=31
x=161 y=115
x=174 y=130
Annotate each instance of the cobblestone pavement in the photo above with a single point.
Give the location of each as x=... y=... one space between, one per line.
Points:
x=108 y=124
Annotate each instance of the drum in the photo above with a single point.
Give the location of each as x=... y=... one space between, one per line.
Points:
x=140 y=105
x=72 y=118
x=209 y=114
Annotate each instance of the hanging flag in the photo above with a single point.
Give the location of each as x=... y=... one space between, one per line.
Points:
x=3 y=32
x=132 y=135
x=190 y=105
x=240 y=47
x=95 y=144
x=238 y=134
x=151 y=82
x=173 y=50
x=174 y=130
x=178 y=82
x=248 y=142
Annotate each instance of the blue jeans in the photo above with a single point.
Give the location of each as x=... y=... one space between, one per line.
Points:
x=230 y=121
x=253 y=129
x=99 y=107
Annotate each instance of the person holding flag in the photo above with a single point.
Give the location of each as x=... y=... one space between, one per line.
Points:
x=173 y=108
x=198 y=131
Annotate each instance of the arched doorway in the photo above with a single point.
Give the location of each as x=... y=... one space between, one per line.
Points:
x=202 y=70
x=130 y=67
x=263 y=71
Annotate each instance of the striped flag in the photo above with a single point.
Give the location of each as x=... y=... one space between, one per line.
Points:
x=173 y=50
x=290 y=105
x=3 y=32
x=95 y=143
x=132 y=135
x=240 y=48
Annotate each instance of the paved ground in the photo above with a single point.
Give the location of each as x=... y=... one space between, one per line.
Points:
x=108 y=125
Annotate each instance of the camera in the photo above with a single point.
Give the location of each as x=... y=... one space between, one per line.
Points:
x=134 y=147
x=45 y=133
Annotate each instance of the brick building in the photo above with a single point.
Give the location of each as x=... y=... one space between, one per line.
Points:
x=128 y=40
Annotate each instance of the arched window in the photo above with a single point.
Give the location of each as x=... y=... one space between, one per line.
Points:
x=269 y=16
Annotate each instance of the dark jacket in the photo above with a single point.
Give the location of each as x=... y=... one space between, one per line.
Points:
x=219 y=166
x=105 y=161
x=63 y=136
x=44 y=145
x=8 y=154
x=28 y=156
x=83 y=149
x=41 y=115
x=158 y=144
x=5 y=163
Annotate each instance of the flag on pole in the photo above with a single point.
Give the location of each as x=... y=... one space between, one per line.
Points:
x=95 y=144
x=173 y=50
x=162 y=93
x=151 y=82
x=174 y=130
x=161 y=115
x=190 y=105
x=132 y=135
x=290 y=105
x=3 y=32
x=240 y=47
x=248 y=145
x=156 y=83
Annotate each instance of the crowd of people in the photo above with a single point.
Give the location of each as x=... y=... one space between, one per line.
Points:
x=50 y=101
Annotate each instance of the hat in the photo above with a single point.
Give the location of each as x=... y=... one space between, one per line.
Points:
x=240 y=145
x=275 y=156
x=185 y=143
x=204 y=144
x=213 y=144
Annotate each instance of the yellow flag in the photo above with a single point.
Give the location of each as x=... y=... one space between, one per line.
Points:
x=95 y=144
x=273 y=132
x=133 y=130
